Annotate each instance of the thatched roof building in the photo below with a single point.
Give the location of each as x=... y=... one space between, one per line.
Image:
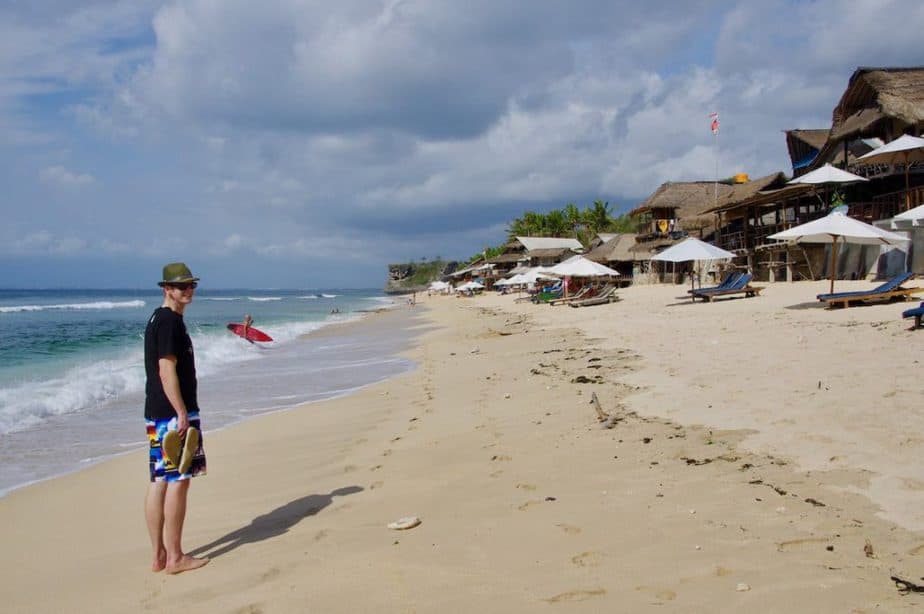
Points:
x=743 y=194
x=878 y=102
x=683 y=202
x=616 y=248
x=804 y=145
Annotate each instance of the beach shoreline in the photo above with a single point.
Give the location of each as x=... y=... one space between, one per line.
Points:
x=65 y=416
x=525 y=501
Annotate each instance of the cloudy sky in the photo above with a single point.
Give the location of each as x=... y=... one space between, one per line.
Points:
x=308 y=143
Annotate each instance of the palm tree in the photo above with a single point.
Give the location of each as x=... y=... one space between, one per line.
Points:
x=598 y=218
x=574 y=217
x=556 y=223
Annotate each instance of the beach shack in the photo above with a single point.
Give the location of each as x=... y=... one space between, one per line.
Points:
x=878 y=106
x=615 y=250
x=674 y=211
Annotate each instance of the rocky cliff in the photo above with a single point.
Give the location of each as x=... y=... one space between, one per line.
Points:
x=410 y=277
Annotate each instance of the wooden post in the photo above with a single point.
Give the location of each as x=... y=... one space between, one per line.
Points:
x=601 y=415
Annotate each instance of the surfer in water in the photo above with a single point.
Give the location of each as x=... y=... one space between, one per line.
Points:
x=248 y=322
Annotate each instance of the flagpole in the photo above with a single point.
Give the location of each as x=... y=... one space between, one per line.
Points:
x=714 y=125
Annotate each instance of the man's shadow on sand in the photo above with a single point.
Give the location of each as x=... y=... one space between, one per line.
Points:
x=273 y=524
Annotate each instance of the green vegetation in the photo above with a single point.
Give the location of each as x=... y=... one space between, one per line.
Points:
x=569 y=221
x=421 y=274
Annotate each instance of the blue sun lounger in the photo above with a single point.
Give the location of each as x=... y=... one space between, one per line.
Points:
x=728 y=282
x=742 y=285
x=890 y=290
x=915 y=313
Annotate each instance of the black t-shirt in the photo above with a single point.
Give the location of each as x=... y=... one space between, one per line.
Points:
x=164 y=335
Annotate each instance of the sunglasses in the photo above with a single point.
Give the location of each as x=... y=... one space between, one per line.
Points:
x=184 y=286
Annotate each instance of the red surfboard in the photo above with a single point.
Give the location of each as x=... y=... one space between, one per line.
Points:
x=253 y=334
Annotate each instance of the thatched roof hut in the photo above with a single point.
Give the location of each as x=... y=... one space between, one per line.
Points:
x=881 y=102
x=617 y=248
x=804 y=145
x=754 y=190
x=685 y=202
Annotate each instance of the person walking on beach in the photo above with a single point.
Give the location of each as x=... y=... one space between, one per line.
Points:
x=171 y=414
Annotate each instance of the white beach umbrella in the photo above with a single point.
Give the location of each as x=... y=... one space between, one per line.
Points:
x=903 y=150
x=836 y=228
x=510 y=281
x=826 y=176
x=536 y=274
x=692 y=249
x=915 y=216
x=579 y=266
x=471 y=285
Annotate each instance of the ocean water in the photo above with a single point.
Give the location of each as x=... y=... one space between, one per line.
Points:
x=72 y=366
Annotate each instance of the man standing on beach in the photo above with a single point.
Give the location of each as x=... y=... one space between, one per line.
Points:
x=171 y=413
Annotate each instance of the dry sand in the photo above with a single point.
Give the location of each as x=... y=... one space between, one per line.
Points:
x=767 y=457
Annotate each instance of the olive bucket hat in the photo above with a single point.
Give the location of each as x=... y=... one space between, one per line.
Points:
x=176 y=273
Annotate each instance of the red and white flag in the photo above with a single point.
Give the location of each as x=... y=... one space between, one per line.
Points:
x=715 y=122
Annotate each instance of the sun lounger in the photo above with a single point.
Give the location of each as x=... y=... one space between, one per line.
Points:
x=545 y=297
x=915 y=313
x=741 y=285
x=584 y=293
x=889 y=291
x=725 y=285
x=608 y=295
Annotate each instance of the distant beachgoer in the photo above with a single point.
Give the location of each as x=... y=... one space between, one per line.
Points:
x=171 y=413
x=248 y=322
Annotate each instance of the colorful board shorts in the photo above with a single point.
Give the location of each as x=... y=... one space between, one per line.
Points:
x=160 y=468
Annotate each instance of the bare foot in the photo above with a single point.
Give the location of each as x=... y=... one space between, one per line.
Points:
x=187 y=563
x=160 y=563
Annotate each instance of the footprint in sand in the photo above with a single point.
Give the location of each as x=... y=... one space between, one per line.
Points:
x=576 y=595
x=528 y=487
x=375 y=485
x=349 y=469
x=570 y=530
x=588 y=559
x=792 y=544
x=664 y=594
x=501 y=457
x=376 y=468
x=496 y=474
x=528 y=504
x=386 y=453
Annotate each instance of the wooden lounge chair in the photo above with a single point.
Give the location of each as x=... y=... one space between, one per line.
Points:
x=607 y=295
x=741 y=285
x=889 y=291
x=915 y=313
x=585 y=292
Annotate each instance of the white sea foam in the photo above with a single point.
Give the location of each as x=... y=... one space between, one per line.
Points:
x=329 y=295
x=27 y=404
x=96 y=305
x=219 y=298
x=264 y=299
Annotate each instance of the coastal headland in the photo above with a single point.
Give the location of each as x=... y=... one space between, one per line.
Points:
x=764 y=455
